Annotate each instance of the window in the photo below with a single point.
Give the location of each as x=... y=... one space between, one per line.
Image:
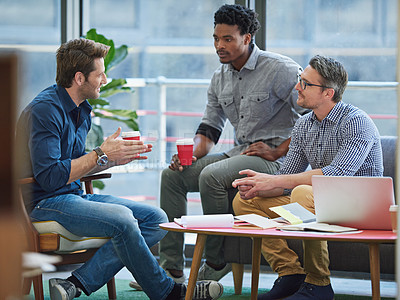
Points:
x=34 y=28
x=361 y=34
x=168 y=40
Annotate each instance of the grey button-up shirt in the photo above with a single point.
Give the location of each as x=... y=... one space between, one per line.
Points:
x=259 y=100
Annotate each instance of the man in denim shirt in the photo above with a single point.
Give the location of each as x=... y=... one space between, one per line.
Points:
x=254 y=90
x=53 y=129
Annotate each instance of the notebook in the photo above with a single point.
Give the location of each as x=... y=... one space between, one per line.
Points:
x=353 y=201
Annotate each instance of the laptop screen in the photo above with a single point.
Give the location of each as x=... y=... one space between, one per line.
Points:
x=353 y=201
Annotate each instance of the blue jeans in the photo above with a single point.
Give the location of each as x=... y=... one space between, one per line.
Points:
x=133 y=228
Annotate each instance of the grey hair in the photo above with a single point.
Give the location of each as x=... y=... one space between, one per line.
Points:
x=333 y=73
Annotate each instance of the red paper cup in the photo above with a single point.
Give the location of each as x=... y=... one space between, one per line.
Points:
x=131 y=135
x=185 y=151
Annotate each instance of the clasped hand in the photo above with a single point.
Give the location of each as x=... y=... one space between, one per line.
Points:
x=255 y=184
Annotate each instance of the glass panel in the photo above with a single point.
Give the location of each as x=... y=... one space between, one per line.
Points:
x=359 y=33
x=34 y=27
x=30 y=22
x=167 y=39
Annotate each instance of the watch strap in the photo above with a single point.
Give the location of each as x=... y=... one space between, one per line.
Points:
x=98 y=151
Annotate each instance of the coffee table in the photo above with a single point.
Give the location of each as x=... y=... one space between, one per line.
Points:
x=372 y=237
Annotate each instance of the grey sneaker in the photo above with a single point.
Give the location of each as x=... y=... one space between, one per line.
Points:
x=208 y=273
x=205 y=290
x=181 y=279
x=136 y=286
x=61 y=289
x=133 y=284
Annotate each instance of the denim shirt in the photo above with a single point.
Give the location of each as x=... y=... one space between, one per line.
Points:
x=259 y=100
x=345 y=143
x=52 y=131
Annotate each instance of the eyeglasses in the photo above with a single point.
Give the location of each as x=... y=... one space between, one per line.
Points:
x=304 y=84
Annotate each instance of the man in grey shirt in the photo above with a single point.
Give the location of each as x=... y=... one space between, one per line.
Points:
x=254 y=90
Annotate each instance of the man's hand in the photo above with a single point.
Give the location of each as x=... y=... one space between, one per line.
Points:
x=243 y=190
x=176 y=163
x=202 y=145
x=255 y=184
x=121 y=152
x=263 y=150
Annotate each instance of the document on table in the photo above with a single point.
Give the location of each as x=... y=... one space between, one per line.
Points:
x=206 y=221
x=253 y=221
x=319 y=227
x=294 y=213
x=249 y=221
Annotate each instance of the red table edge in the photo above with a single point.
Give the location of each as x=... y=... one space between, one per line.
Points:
x=365 y=236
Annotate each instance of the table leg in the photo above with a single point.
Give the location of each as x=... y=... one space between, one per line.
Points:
x=194 y=270
x=374 y=266
x=255 y=269
x=238 y=270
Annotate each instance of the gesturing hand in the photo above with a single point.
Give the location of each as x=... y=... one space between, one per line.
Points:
x=121 y=152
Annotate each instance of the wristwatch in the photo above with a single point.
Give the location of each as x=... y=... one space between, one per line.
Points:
x=102 y=158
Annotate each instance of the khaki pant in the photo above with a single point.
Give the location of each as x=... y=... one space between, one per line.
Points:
x=281 y=258
x=212 y=176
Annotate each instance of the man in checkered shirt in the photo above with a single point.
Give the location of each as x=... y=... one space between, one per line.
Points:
x=335 y=139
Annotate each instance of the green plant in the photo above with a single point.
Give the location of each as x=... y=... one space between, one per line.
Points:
x=101 y=106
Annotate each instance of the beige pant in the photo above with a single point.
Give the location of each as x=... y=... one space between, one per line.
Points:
x=281 y=258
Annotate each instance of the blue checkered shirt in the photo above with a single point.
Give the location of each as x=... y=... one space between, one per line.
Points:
x=345 y=143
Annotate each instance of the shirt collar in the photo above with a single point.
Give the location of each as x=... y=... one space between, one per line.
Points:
x=333 y=115
x=252 y=60
x=67 y=101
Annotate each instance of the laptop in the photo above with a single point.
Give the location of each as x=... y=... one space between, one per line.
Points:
x=353 y=201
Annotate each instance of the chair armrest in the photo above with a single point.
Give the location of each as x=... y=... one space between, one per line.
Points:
x=29 y=180
x=87 y=180
x=96 y=177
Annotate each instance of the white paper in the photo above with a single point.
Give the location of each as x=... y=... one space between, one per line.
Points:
x=319 y=227
x=206 y=221
x=258 y=220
